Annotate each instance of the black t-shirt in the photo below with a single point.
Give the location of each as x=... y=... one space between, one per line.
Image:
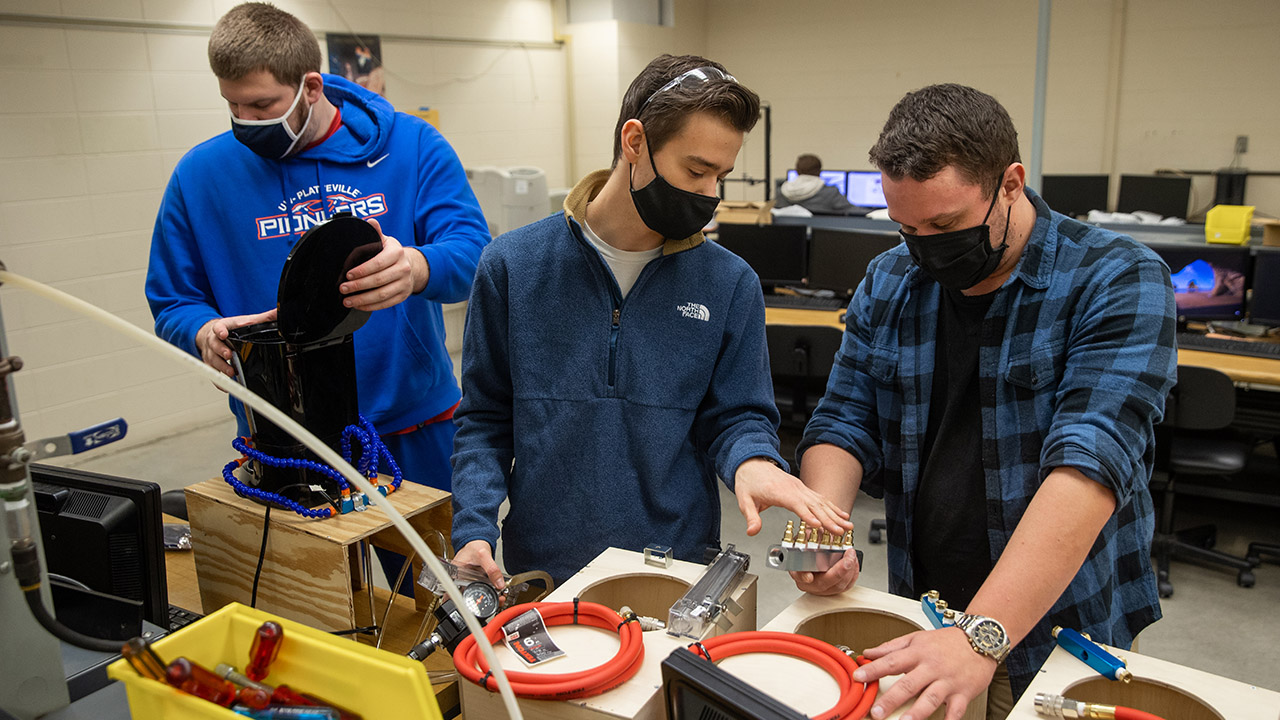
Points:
x=951 y=553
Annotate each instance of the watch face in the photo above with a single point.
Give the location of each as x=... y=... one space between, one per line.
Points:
x=989 y=636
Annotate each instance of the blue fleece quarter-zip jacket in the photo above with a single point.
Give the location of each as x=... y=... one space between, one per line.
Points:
x=606 y=421
x=229 y=219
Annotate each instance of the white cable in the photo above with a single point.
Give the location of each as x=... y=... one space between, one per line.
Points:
x=323 y=451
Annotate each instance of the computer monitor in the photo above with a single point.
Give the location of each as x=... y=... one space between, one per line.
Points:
x=105 y=533
x=1208 y=281
x=694 y=688
x=1075 y=195
x=1264 y=309
x=778 y=253
x=834 y=178
x=865 y=189
x=838 y=259
x=1165 y=195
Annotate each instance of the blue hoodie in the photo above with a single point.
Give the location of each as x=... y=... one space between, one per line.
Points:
x=618 y=414
x=230 y=217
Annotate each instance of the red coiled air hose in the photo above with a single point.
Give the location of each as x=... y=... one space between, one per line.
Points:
x=855 y=698
x=561 y=686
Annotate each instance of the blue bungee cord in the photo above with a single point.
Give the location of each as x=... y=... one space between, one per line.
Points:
x=372 y=449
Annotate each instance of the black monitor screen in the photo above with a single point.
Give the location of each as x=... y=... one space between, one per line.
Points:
x=1265 y=308
x=105 y=533
x=1208 y=281
x=838 y=259
x=776 y=252
x=1164 y=195
x=865 y=189
x=1075 y=195
x=694 y=688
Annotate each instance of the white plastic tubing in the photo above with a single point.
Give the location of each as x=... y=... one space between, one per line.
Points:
x=324 y=452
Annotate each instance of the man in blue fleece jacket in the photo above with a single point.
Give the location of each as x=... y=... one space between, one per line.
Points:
x=614 y=363
x=303 y=147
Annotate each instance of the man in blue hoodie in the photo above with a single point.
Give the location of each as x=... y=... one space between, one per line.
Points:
x=615 y=363
x=304 y=146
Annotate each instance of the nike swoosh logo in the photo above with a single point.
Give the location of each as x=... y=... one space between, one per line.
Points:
x=371 y=163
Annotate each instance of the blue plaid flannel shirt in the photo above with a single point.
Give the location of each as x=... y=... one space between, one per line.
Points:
x=1076 y=359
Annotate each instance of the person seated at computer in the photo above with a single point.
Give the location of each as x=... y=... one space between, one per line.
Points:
x=810 y=192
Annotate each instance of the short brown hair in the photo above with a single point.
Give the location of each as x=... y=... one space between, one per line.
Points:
x=808 y=164
x=943 y=125
x=664 y=115
x=259 y=36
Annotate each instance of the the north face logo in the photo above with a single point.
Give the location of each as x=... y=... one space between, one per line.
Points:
x=695 y=311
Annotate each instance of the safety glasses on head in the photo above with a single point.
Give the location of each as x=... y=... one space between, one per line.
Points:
x=700 y=75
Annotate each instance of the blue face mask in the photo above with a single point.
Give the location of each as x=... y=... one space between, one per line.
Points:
x=272 y=139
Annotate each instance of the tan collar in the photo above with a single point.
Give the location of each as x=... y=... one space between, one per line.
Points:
x=575 y=209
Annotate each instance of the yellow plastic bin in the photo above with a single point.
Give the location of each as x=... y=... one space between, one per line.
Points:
x=375 y=683
x=1228 y=224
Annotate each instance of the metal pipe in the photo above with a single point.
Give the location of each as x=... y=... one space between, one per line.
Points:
x=1035 y=167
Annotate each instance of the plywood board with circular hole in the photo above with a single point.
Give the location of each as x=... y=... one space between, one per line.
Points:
x=1165 y=689
x=859 y=618
x=614 y=578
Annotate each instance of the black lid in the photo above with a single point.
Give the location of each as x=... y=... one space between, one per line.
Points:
x=311 y=308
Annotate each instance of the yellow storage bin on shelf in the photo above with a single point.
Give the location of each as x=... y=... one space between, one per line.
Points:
x=1228 y=224
x=375 y=683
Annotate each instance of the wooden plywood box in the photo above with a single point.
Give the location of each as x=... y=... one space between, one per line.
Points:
x=615 y=578
x=858 y=618
x=312 y=571
x=1159 y=687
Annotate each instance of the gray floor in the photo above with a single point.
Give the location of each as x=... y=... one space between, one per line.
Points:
x=1210 y=623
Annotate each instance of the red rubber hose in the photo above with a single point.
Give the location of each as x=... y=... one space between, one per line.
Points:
x=855 y=698
x=560 y=686
x=1124 y=713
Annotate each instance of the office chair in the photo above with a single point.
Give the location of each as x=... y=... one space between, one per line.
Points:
x=876 y=533
x=174 y=502
x=1259 y=551
x=1197 y=413
x=800 y=359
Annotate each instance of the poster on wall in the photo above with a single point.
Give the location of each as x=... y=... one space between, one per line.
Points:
x=357 y=58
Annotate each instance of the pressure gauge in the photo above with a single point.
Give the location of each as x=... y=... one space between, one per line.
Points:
x=481 y=599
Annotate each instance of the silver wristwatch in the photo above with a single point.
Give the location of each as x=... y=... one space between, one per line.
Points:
x=987 y=636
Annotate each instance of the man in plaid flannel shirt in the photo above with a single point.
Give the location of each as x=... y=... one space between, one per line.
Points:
x=998 y=383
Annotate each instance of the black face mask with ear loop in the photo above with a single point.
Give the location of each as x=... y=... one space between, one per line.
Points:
x=673 y=213
x=960 y=259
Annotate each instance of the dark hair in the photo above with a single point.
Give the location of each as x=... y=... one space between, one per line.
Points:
x=943 y=125
x=665 y=114
x=808 y=164
x=259 y=36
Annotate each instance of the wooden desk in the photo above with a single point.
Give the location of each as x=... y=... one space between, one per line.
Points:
x=184 y=591
x=1240 y=368
x=797 y=316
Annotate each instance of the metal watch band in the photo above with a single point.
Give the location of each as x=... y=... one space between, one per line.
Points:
x=966 y=622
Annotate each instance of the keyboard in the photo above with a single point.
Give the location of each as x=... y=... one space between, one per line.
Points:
x=1231 y=346
x=805 y=302
x=181 y=617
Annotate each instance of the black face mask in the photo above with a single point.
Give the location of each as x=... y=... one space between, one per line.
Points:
x=673 y=213
x=960 y=259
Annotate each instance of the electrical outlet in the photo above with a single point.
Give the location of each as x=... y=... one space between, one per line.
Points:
x=1242 y=144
